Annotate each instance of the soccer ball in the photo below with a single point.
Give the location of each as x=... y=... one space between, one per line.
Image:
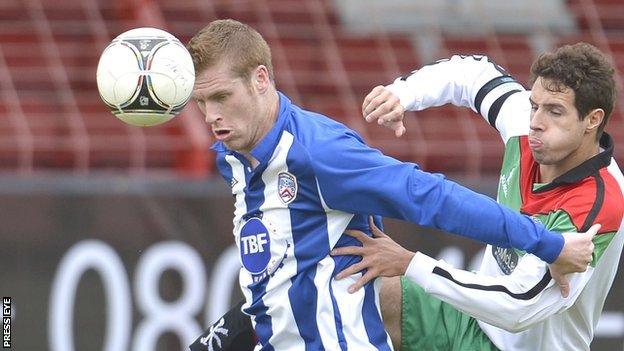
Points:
x=145 y=76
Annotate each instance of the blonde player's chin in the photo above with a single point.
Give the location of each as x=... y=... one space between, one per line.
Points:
x=231 y=144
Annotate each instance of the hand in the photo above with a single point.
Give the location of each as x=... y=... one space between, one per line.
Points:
x=381 y=256
x=575 y=256
x=382 y=105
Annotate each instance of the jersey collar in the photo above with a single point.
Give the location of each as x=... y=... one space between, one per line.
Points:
x=263 y=151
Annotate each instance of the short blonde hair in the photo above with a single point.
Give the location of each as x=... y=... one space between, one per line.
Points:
x=242 y=46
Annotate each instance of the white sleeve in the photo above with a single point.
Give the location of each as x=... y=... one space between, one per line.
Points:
x=512 y=302
x=468 y=81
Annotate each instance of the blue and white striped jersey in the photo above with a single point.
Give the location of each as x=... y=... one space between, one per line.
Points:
x=315 y=179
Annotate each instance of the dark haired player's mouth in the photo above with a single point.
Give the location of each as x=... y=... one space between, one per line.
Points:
x=534 y=143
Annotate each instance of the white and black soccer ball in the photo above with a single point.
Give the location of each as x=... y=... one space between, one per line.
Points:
x=145 y=76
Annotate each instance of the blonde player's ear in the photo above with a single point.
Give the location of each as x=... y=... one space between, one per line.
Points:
x=260 y=79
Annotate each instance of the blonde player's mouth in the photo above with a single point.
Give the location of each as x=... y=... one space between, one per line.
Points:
x=222 y=134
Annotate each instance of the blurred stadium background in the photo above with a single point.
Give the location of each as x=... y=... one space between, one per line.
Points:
x=116 y=238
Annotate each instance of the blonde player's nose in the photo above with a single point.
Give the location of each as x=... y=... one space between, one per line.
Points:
x=211 y=118
x=211 y=114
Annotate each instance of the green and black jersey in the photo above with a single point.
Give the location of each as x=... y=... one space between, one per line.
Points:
x=517 y=304
x=586 y=195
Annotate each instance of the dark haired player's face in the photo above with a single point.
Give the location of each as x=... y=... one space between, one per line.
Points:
x=556 y=136
x=231 y=106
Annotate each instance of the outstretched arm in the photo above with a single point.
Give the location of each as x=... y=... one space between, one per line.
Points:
x=355 y=178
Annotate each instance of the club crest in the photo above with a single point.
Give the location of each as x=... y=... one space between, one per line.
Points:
x=286 y=187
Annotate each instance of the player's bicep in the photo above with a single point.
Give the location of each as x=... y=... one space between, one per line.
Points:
x=513 y=117
x=355 y=178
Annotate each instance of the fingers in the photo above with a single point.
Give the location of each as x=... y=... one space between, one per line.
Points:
x=366 y=108
x=384 y=111
x=576 y=256
x=368 y=276
x=360 y=236
x=400 y=130
x=350 y=270
x=374 y=99
x=577 y=252
x=397 y=126
x=591 y=233
x=562 y=281
x=387 y=112
x=593 y=230
x=376 y=232
x=384 y=107
x=348 y=250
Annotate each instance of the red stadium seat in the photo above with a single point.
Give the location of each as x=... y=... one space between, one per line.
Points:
x=319 y=62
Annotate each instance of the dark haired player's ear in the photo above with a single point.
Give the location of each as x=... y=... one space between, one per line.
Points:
x=594 y=119
x=232 y=332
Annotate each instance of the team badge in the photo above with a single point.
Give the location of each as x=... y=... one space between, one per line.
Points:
x=286 y=187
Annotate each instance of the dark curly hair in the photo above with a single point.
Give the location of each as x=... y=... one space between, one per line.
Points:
x=584 y=69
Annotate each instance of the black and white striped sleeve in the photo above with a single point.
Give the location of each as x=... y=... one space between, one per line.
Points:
x=512 y=302
x=468 y=81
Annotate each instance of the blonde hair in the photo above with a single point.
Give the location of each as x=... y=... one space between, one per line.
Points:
x=242 y=46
